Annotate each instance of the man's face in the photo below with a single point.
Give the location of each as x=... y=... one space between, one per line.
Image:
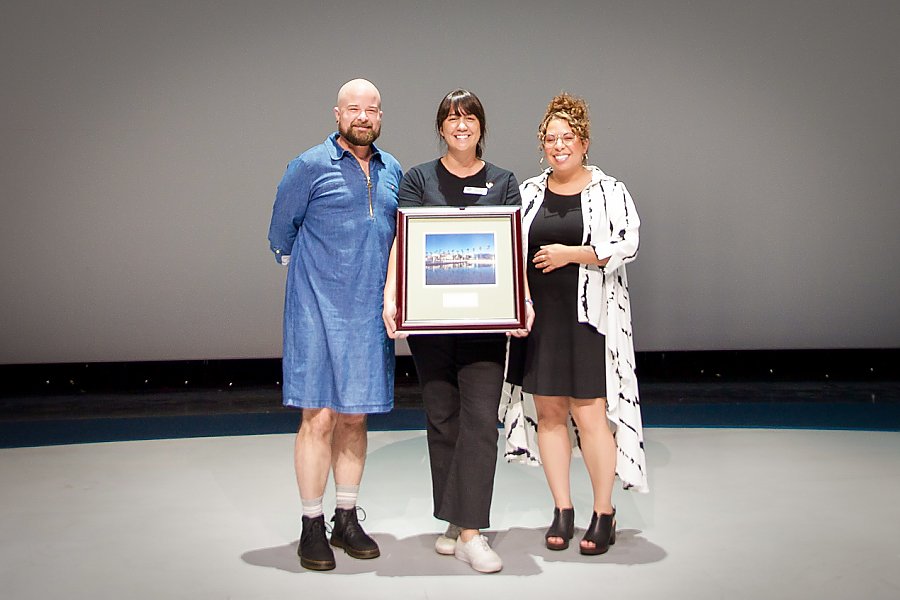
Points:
x=358 y=115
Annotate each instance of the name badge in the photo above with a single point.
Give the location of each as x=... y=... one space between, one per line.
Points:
x=481 y=191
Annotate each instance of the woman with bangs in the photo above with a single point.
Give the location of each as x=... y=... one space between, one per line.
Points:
x=461 y=375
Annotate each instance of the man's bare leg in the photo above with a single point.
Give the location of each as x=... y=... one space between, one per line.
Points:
x=348 y=449
x=313 y=451
x=312 y=462
x=348 y=458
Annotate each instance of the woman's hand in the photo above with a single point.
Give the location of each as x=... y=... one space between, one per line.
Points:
x=552 y=257
x=389 y=308
x=529 y=321
x=389 y=316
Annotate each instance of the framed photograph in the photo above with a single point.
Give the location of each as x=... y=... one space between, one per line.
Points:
x=460 y=269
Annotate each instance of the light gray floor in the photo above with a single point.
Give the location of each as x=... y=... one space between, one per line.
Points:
x=732 y=514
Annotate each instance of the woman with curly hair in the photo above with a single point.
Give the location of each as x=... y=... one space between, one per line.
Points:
x=580 y=227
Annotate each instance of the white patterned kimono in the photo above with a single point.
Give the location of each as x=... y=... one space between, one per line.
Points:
x=611 y=228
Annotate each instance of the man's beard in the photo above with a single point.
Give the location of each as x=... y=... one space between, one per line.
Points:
x=360 y=137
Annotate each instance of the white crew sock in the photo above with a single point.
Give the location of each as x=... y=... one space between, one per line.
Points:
x=345 y=496
x=312 y=508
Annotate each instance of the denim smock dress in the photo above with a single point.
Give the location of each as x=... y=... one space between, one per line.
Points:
x=337 y=226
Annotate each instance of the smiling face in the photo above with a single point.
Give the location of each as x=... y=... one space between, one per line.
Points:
x=461 y=132
x=564 y=150
x=461 y=123
x=358 y=113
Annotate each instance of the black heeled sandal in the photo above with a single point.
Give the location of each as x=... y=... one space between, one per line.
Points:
x=563 y=526
x=602 y=532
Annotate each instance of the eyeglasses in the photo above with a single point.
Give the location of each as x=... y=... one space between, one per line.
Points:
x=356 y=111
x=567 y=138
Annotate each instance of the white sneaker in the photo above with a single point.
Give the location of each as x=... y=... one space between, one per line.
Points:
x=446 y=543
x=477 y=552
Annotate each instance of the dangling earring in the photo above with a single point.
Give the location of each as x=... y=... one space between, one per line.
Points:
x=540 y=162
x=584 y=160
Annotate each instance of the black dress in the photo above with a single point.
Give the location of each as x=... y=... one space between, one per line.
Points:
x=561 y=357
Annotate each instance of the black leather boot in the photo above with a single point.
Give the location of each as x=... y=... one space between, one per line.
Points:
x=602 y=531
x=563 y=526
x=314 y=551
x=348 y=534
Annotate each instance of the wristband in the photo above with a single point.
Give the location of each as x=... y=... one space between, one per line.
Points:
x=529 y=301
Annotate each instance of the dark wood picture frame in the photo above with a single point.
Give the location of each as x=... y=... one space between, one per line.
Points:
x=425 y=306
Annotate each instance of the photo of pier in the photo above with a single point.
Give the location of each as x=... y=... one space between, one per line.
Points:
x=460 y=259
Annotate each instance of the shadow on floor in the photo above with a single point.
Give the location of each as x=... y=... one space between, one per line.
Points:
x=415 y=556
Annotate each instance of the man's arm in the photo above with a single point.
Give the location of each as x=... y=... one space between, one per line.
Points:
x=291 y=201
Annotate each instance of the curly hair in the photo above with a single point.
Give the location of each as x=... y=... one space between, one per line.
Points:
x=572 y=110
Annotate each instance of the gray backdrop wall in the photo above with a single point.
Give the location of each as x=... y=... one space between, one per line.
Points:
x=142 y=143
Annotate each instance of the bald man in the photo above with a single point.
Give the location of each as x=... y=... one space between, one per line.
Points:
x=332 y=225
